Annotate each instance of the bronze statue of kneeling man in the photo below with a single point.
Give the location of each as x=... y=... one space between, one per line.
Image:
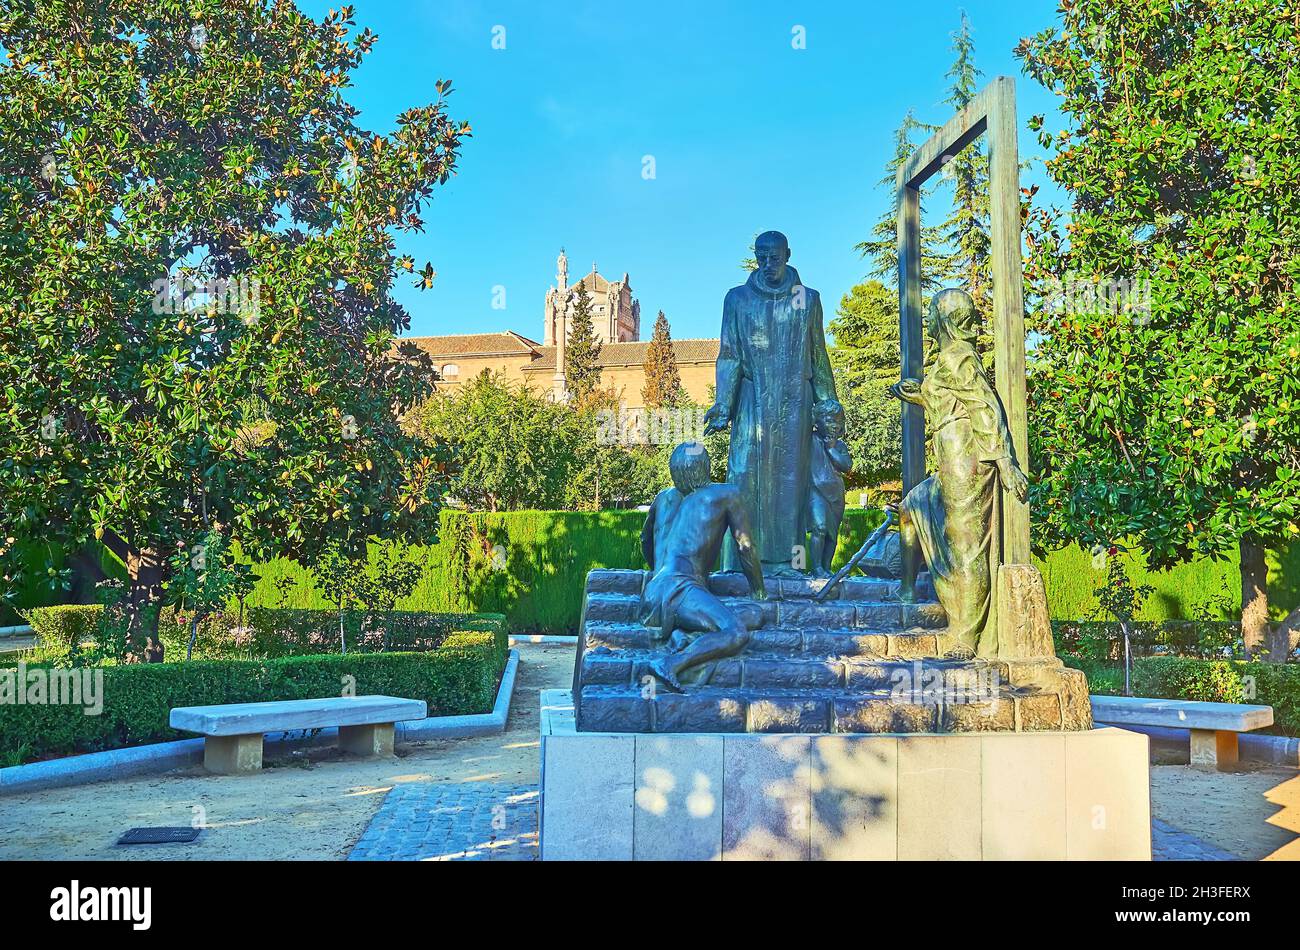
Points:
x=681 y=540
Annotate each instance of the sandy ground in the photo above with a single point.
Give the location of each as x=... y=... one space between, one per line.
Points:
x=315 y=805
x=312 y=806
x=1253 y=813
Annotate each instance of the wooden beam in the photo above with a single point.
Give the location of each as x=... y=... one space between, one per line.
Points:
x=992 y=111
x=912 y=351
x=1008 y=301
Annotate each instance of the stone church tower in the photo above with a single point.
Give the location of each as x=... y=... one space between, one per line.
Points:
x=615 y=313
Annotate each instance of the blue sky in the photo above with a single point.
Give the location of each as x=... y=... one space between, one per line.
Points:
x=747 y=133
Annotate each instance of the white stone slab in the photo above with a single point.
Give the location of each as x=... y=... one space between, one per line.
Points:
x=678 y=798
x=1023 y=796
x=1107 y=797
x=854 y=798
x=1180 y=713
x=1017 y=796
x=587 y=814
x=239 y=719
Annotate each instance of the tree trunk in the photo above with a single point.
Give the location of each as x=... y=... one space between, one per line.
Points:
x=1287 y=634
x=144 y=593
x=1254 y=599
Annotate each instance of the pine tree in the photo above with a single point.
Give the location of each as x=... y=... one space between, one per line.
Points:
x=582 y=355
x=968 y=263
x=663 y=383
x=881 y=249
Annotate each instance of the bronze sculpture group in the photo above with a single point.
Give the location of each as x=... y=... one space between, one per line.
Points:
x=781 y=507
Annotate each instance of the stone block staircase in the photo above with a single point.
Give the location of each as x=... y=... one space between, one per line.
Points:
x=861 y=662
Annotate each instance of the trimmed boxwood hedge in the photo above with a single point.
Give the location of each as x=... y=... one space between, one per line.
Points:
x=72 y=634
x=532 y=565
x=461 y=676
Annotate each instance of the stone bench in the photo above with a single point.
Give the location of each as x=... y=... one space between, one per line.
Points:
x=233 y=733
x=1215 y=727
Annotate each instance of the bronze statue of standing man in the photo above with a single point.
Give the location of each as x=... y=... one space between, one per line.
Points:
x=772 y=368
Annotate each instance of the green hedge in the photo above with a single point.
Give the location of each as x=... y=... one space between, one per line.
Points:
x=77 y=635
x=459 y=677
x=1216 y=681
x=531 y=566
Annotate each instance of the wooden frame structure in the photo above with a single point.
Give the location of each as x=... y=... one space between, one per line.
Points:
x=991 y=112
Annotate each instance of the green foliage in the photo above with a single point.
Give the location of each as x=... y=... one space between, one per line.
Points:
x=1167 y=415
x=967 y=229
x=196 y=320
x=1224 y=681
x=1212 y=681
x=881 y=249
x=1119 y=597
x=87 y=635
x=582 y=354
x=865 y=360
x=461 y=677
x=663 y=382
x=531 y=566
x=512 y=447
x=517 y=450
x=63 y=631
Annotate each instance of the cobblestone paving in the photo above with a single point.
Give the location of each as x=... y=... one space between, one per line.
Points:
x=1170 y=844
x=482 y=821
x=466 y=821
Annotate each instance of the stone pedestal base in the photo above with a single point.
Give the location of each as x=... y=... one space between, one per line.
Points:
x=367 y=740
x=231 y=755
x=1212 y=749
x=1081 y=795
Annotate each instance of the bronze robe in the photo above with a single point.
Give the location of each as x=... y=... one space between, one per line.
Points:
x=772 y=367
x=957 y=509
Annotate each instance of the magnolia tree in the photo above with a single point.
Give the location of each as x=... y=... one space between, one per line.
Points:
x=1164 y=381
x=196 y=320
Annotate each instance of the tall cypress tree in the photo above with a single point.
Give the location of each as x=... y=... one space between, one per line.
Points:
x=663 y=383
x=582 y=357
x=881 y=249
x=966 y=229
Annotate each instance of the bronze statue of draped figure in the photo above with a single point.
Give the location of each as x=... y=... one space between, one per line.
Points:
x=773 y=367
x=954 y=515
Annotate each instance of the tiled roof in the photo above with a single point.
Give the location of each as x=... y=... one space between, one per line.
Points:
x=506 y=343
x=633 y=354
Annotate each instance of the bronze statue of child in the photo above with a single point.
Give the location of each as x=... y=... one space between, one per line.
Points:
x=681 y=540
x=830 y=461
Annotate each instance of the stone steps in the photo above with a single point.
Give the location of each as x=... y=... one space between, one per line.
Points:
x=630 y=583
x=845 y=641
x=861 y=662
x=770 y=669
x=818 y=710
x=873 y=615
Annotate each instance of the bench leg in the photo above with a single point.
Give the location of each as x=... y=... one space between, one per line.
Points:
x=1214 y=750
x=231 y=755
x=367 y=740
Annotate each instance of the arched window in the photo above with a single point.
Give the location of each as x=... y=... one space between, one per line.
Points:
x=450 y=371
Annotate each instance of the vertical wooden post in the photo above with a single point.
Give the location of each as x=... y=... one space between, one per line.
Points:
x=991 y=112
x=911 y=347
x=1008 y=301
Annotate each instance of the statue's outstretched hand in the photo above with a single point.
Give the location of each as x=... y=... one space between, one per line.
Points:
x=908 y=390
x=1013 y=479
x=715 y=419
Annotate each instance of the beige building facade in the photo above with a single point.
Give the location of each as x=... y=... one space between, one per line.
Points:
x=616 y=318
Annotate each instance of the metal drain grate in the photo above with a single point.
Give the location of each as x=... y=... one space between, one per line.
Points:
x=158 y=836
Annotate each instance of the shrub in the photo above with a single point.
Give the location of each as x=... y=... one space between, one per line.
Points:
x=1215 y=681
x=87 y=636
x=459 y=677
x=68 y=634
